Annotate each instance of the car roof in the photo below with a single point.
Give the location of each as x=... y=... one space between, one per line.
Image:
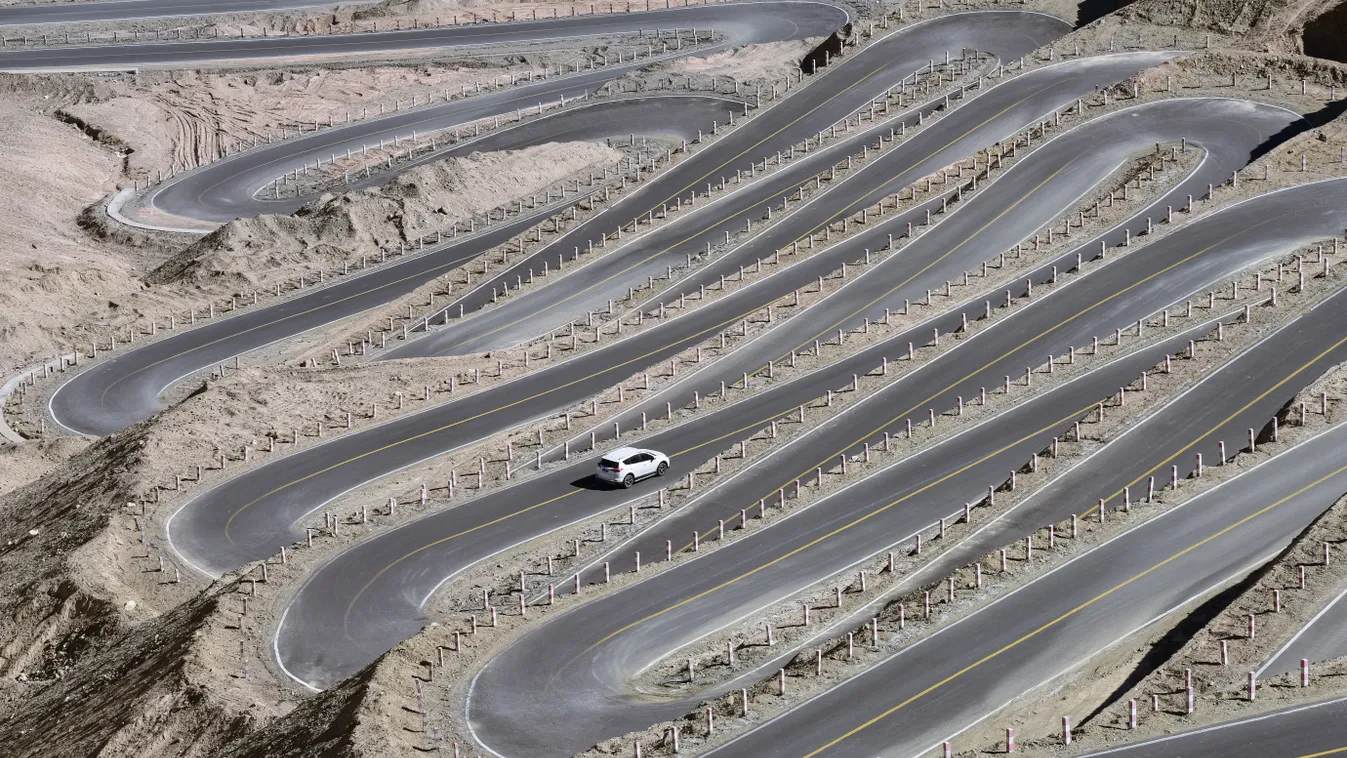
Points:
x=623 y=452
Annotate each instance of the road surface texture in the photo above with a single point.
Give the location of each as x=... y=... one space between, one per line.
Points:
x=570 y=680
x=379 y=587
x=1306 y=731
x=126 y=388
x=131 y=10
x=253 y=515
x=742 y=23
x=572 y=674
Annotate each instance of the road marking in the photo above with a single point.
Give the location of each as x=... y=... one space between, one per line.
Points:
x=838 y=530
x=1217 y=728
x=917 y=406
x=1063 y=617
x=895 y=419
x=1264 y=394
x=711 y=225
x=871 y=433
x=1282 y=651
x=103 y=396
x=506 y=406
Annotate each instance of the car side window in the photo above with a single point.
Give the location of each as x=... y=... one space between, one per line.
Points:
x=632 y=460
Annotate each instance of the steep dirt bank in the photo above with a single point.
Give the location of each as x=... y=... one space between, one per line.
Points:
x=66 y=274
x=171 y=121
x=55 y=307
x=334 y=229
x=84 y=602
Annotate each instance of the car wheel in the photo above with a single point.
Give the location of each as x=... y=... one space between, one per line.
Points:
x=629 y=481
x=663 y=467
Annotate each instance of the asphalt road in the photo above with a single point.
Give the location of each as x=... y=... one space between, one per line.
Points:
x=228 y=188
x=742 y=23
x=572 y=675
x=256 y=516
x=128 y=10
x=930 y=691
x=126 y=388
x=991 y=117
x=569 y=679
x=377 y=589
x=1323 y=638
x=1306 y=731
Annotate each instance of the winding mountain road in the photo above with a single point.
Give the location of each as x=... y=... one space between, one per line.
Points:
x=572 y=681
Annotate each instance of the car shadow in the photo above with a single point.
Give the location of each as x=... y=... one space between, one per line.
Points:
x=592 y=482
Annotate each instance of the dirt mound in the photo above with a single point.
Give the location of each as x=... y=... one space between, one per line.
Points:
x=1218 y=16
x=768 y=62
x=333 y=229
x=154 y=708
x=1325 y=36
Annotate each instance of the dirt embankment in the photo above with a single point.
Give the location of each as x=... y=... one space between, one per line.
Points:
x=769 y=62
x=1285 y=27
x=66 y=275
x=47 y=262
x=60 y=307
x=336 y=229
x=83 y=601
x=475 y=11
x=171 y=121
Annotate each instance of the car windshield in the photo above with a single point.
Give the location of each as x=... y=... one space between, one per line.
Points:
x=608 y=463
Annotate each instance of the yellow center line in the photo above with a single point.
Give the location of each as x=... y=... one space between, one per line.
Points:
x=1231 y=417
x=910 y=410
x=1074 y=611
x=1334 y=751
x=103 y=396
x=712 y=224
x=838 y=530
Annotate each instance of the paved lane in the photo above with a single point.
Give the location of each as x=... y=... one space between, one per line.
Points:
x=377 y=589
x=126 y=388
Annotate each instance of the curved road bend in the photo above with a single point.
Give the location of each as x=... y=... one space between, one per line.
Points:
x=228 y=188
x=126 y=388
x=573 y=675
x=1025 y=198
x=993 y=114
x=930 y=691
x=1058 y=177
x=252 y=515
x=377 y=589
x=742 y=23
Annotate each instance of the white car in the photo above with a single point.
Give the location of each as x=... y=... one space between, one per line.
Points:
x=627 y=465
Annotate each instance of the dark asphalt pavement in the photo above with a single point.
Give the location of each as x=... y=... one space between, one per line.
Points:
x=379 y=587
x=126 y=388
